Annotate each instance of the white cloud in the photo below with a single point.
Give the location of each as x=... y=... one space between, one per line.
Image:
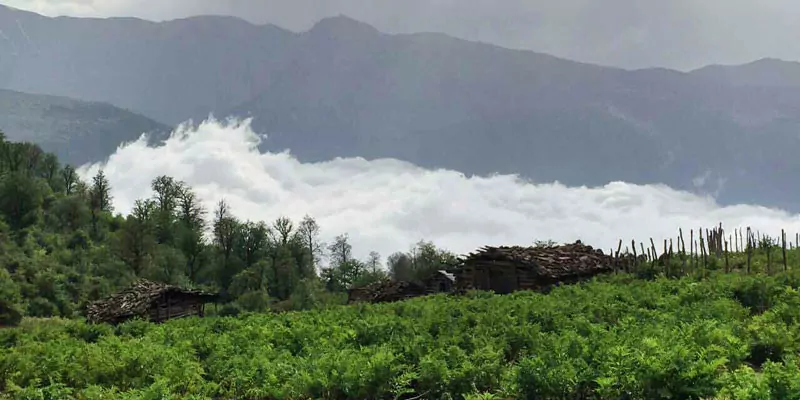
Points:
x=387 y=205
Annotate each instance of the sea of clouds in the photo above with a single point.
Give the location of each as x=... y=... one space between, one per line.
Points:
x=388 y=205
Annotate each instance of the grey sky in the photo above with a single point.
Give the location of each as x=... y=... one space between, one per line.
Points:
x=680 y=34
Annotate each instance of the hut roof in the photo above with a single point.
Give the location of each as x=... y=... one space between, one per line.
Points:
x=136 y=300
x=553 y=262
x=447 y=275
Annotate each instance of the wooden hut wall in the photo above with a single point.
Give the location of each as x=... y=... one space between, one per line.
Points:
x=176 y=305
x=529 y=280
x=439 y=283
x=499 y=277
x=502 y=280
x=496 y=276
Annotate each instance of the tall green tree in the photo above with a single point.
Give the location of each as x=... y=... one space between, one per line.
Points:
x=69 y=179
x=308 y=232
x=226 y=235
x=21 y=199
x=167 y=193
x=100 y=201
x=190 y=231
x=138 y=241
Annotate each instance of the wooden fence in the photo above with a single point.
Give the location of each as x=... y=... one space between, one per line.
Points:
x=706 y=247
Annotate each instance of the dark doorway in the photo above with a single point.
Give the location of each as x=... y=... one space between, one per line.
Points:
x=502 y=281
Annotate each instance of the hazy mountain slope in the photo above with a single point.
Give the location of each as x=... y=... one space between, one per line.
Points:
x=77 y=131
x=764 y=72
x=168 y=71
x=345 y=89
x=444 y=102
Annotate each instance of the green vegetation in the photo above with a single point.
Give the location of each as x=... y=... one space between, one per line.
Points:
x=727 y=337
x=707 y=335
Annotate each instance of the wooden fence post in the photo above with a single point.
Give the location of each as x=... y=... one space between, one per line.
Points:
x=682 y=244
x=703 y=254
x=730 y=240
x=768 y=249
x=741 y=241
x=783 y=246
x=655 y=253
x=642 y=247
x=692 y=247
x=670 y=257
x=727 y=268
x=749 y=248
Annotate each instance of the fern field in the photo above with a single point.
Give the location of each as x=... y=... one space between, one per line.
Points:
x=725 y=337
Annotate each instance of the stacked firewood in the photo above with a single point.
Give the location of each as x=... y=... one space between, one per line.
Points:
x=551 y=262
x=134 y=300
x=386 y=291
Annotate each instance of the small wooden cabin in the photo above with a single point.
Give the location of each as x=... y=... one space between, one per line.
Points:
x=440 y=281
x=154 y=301
x=508 y=269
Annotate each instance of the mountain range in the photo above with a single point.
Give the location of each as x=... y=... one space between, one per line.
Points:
x=344 y=88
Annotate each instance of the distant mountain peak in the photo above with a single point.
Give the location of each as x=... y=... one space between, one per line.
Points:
x=342 y=25
x=766 y=62
x=770 y=72
x=772 y=61
x=215 y=19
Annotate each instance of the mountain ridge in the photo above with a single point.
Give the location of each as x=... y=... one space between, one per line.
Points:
x=343 y=88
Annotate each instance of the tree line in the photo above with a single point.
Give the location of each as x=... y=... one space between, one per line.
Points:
x=63 y=245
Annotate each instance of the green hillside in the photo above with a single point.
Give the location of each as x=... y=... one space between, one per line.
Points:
x=77 y=131
x=705 y=335
x=729 y=337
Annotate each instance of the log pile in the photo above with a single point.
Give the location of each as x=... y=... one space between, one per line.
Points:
x=552 y=263
x=386 y=291
x=139 y=299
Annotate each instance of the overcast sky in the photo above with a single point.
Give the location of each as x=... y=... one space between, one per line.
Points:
x=681 y=34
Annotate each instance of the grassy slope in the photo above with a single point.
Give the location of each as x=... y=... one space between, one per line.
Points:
x=683 y=338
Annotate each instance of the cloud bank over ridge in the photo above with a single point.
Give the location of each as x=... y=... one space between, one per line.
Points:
x=387 y=205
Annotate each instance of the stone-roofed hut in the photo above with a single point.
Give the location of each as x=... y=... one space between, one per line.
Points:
x=154 y=301
x=507 y=269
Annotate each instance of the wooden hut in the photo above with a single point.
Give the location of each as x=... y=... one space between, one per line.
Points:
x=154 y=301
x=507 y=269
x=440 y=281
